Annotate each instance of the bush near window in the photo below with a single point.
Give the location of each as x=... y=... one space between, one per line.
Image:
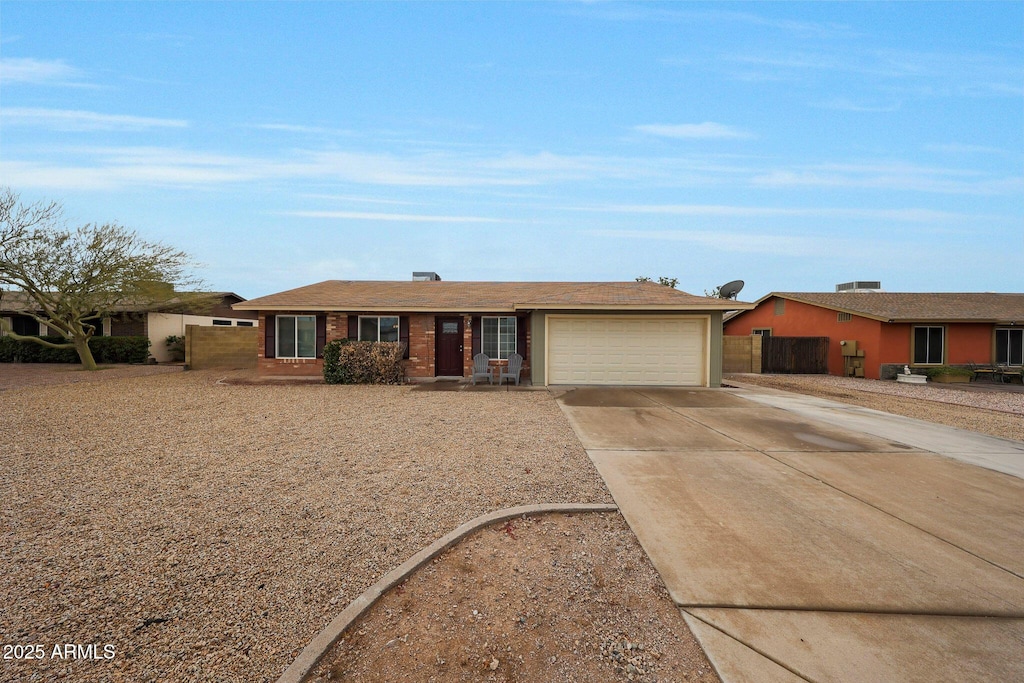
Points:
x=950 y=370
x=355 y=362
x=104 y=350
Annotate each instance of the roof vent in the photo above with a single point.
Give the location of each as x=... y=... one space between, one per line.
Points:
x=425 y=276
x=860 y=286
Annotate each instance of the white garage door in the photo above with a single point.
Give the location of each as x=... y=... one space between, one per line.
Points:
x=626 y=350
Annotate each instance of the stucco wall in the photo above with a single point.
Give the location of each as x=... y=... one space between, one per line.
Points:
x=162 y=325
x=884 y=344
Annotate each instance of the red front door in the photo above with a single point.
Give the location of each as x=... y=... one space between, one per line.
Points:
x=448 y=338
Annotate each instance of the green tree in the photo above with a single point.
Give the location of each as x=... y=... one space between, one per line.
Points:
x=667 y=281
x=70 y=279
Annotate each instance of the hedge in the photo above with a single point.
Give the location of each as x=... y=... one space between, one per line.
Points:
x=352 y=362
x=104 y=350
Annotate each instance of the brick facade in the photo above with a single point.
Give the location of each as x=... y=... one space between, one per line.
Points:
x=421 y=363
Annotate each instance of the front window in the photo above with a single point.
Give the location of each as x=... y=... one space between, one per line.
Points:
x=928 y=345
x=383 y=328
x=498 y=337
x=296 y=336
x=1010 y=347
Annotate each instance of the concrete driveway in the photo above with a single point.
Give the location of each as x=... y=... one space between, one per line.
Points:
x=809 y=540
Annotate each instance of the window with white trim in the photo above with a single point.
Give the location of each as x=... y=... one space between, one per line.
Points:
x=929 y=343
x=378 y=328
x=1010 y=346
x=296 y=336
x=498 y=336
x=762 y=331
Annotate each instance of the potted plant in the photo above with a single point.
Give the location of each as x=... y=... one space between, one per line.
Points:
x=949 y=374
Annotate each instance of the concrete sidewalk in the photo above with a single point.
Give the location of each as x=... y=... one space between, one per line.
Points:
x=805 y=540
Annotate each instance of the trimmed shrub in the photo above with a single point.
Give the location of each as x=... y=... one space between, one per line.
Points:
x=948 y=370
x=8 y=349
x=352 y=362
x=119 y=349
x=175 y=347
x=104 y=350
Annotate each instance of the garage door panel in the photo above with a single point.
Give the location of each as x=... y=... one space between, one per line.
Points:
x=641 y=351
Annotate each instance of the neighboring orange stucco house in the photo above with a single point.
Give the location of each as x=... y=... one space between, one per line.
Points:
x=895 y=329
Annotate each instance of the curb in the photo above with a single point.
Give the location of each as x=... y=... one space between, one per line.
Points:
x=300 y=669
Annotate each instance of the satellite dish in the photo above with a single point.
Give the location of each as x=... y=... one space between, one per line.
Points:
x=730 y=289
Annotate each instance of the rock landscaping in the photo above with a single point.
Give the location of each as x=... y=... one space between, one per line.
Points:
x=178 y=527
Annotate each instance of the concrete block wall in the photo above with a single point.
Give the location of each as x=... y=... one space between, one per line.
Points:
x=221 y=347
x=741 y=354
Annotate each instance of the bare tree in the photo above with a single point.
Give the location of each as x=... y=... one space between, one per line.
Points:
x=70 y=279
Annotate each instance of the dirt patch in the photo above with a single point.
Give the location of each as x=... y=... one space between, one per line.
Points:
x=558 y=598
x=21 y=375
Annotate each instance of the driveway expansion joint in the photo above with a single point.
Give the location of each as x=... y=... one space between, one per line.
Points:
x=744 y=643
x=303 y=665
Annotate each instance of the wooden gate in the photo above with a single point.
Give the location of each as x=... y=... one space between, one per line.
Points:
x=795 y=355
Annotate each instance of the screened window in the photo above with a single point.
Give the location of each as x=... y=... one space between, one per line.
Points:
x=383 y=328
x=296 y=336
x=928 y=345
x=498 y=337
x=1010 y=347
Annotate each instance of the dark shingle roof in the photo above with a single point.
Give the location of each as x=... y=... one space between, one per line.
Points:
x=437 y=295
x=918 y=307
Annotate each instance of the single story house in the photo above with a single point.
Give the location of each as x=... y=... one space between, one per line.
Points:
x=156 y=322
x=624 y=333
x=895 y=329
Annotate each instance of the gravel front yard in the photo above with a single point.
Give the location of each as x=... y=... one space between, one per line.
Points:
x=983 y=409
x=208 y=531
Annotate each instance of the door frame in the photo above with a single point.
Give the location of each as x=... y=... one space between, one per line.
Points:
x=438 y=320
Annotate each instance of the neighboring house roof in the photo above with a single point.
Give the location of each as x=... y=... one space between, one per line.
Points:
x=447 y=296
x=917 y=307
x=12 y=301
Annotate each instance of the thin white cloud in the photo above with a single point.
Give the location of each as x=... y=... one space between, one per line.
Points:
x=392 y=217
x=25 y=70
x=845 y=104
x=642 y=12
x=750 y=243
x=891 y=176
x=301 y=129
x=960 y=148
x=912 y=215
x=72 y=120
x=697 y=131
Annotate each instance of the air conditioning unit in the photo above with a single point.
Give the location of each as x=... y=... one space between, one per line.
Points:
x=860 y=286
x=425 y=276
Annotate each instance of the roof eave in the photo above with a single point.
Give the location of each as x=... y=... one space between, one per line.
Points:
x=247 y=306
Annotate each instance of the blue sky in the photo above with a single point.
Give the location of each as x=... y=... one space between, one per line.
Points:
x=791 y=145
